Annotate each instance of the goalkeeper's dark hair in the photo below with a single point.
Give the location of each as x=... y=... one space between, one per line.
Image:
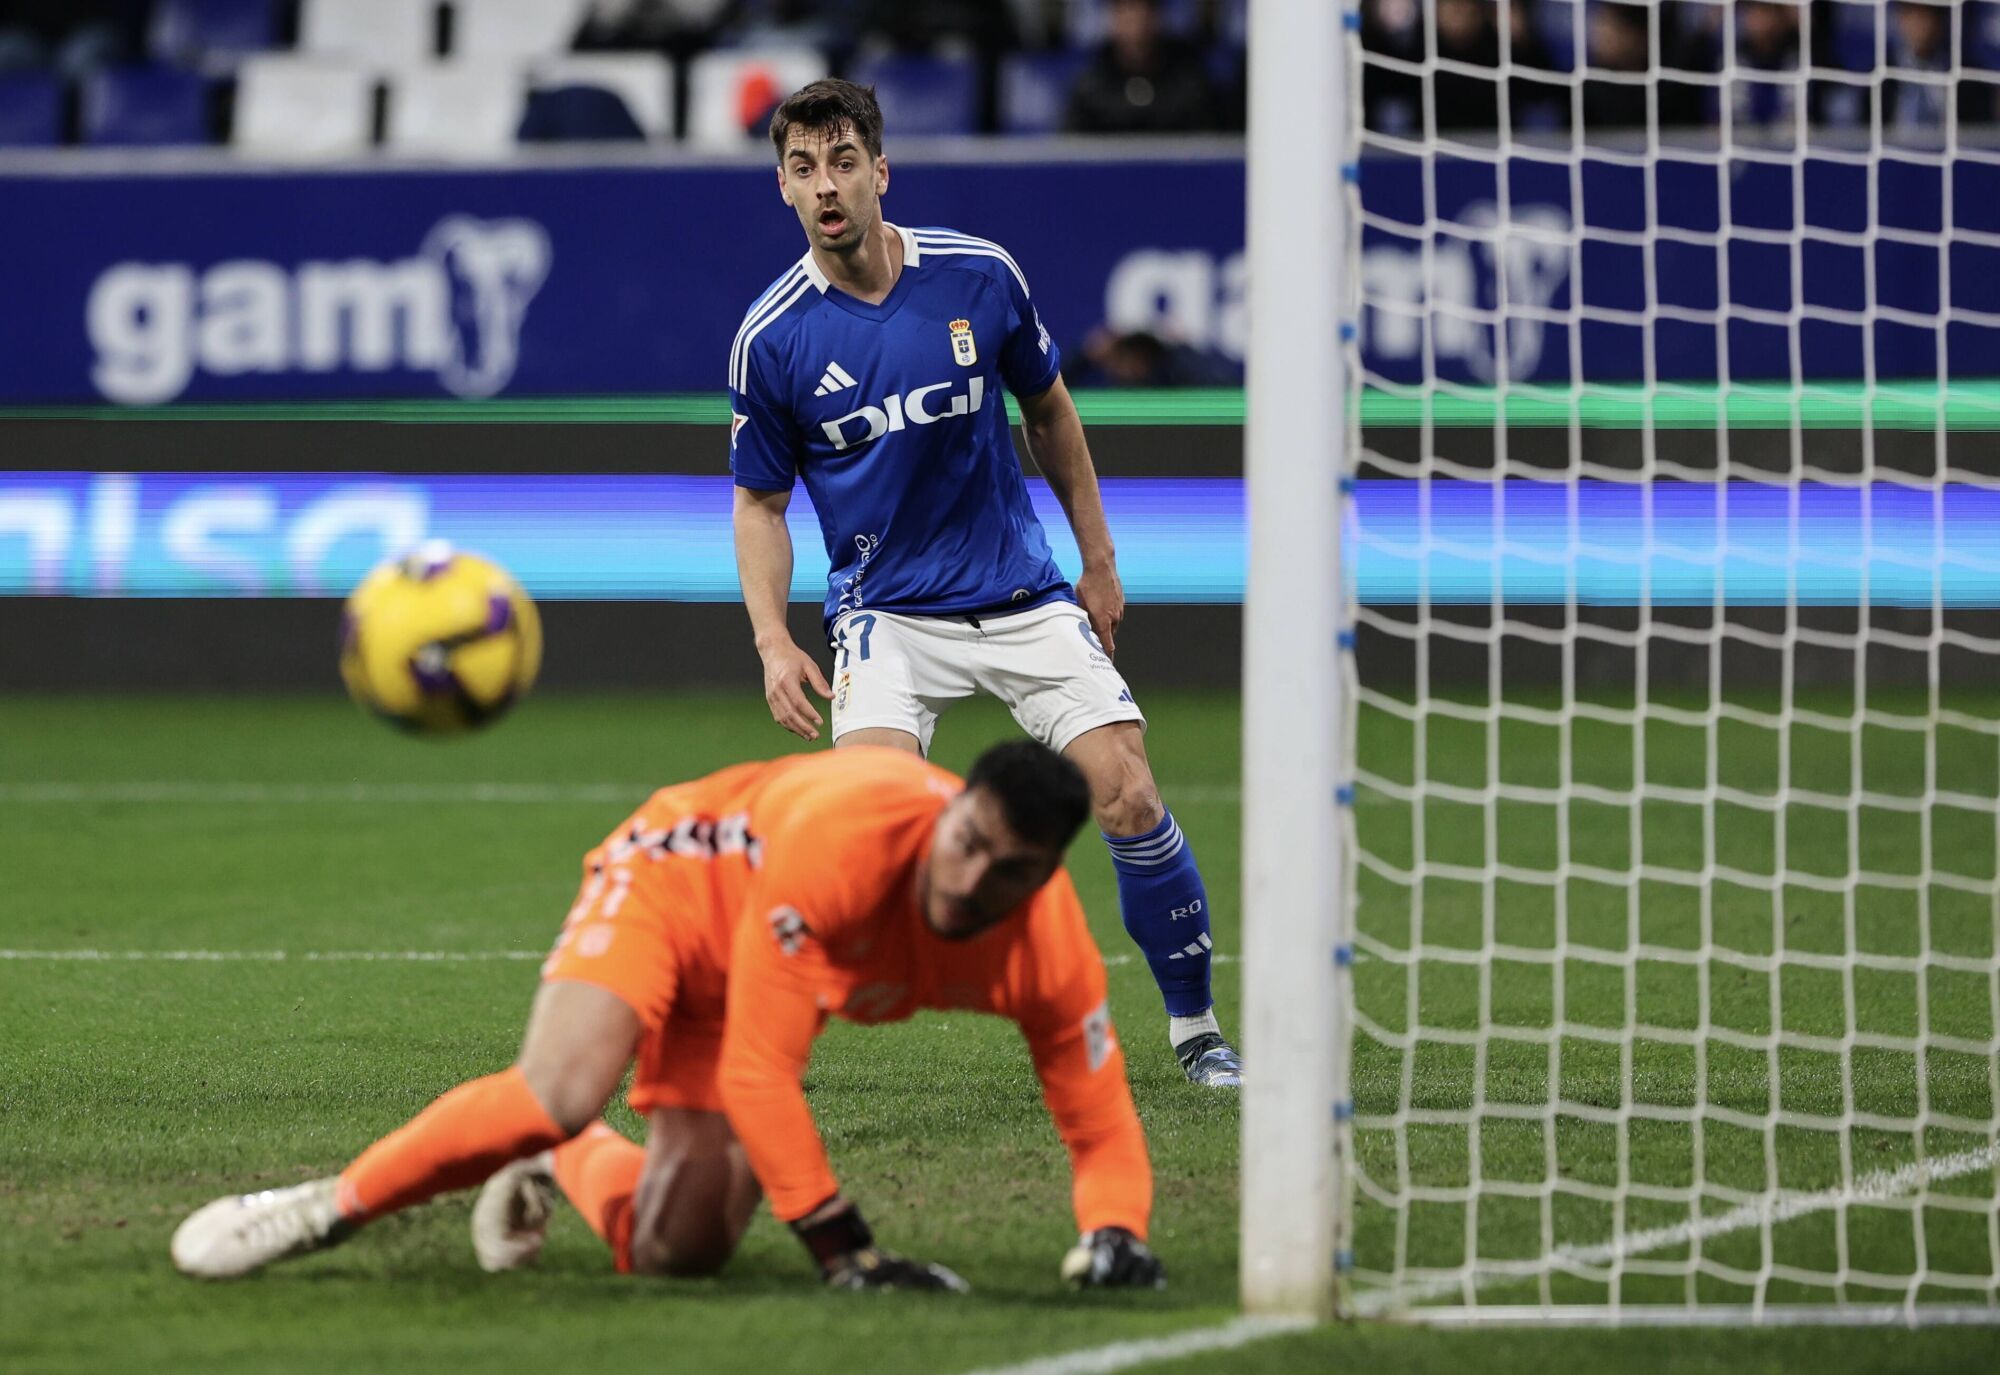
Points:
x=1042 y=795
x=824 y=107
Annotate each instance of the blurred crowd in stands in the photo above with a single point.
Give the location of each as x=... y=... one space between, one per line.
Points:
x=1677 y=64
x=163 y=72
x=473 y=77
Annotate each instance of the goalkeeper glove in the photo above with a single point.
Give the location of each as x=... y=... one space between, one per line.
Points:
x=849 y=1259
x=1113 y=1258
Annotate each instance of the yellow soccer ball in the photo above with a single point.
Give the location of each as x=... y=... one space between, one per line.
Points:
x=439 y=641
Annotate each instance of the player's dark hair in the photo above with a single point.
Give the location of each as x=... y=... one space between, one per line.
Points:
x=824 y=107
x=1042 y=794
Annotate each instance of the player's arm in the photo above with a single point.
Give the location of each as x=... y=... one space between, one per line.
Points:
x=1065 y=1013
x=1031 y=366
x=764 y=454
x=1054 y=435
x=776 y=974
x=764 y=567
x=1082 y=1069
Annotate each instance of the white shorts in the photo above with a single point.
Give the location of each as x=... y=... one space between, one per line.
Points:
x=901 y=672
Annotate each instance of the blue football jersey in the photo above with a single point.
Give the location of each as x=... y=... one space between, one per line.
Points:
x=892 y=415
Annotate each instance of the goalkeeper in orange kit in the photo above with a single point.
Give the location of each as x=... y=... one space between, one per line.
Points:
x=715 y=932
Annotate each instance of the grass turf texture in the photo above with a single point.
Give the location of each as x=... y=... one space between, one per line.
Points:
x=1702 y=1116
x=132 y=1091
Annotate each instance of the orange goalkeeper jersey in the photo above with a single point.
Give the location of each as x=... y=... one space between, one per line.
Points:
x=805 y=906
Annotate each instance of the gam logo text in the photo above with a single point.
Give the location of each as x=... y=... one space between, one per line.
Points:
x=1477 y=268
x=456 y=309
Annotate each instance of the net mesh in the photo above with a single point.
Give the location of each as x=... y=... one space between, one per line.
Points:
x=1674 y=717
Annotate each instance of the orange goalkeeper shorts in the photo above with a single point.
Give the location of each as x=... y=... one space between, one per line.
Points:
x=647 y=932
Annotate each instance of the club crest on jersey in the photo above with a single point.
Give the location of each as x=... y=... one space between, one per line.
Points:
x=961 y=343
x=1098 y=1037
x=788 y=928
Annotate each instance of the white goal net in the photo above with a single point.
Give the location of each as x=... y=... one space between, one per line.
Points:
x=1671 y=708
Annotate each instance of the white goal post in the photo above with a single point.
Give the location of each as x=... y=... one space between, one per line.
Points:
x=1292 y=707
x=1621 y=696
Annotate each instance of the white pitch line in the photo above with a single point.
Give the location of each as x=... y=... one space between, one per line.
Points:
x=280 y=956
x=1101 y=1360
x=353 y=956
x=295 y=794
x=1874 y=1187
x=274 y=794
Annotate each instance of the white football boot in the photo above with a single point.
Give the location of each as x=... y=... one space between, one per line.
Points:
x=244 y=1232
x=1211 y=1061
x=510 y=1218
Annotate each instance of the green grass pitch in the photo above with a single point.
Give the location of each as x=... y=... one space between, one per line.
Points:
x=1686 y=1105
x=132 y=1090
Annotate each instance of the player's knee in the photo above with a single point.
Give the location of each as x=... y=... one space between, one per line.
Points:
x=678 y=1262
x=578 y=1044
x=681 y=1251
x=694 y=1201
x=571 y=1105
x=572 y=1089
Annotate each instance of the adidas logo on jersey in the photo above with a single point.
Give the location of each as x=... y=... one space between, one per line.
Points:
x=900 y=412
x=834 y=379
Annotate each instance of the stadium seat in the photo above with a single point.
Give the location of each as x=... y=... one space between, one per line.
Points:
x=490 y=29
x=643 y=81
x=211 y=33
x=1226 y=66
x=461 y=109
x=1034 y=90
x=1228 y=23
x=145 y=107
x=302 y=108
x=1854 y=38
x=386 y=33
x=31 y=110
x=1981 y=25
x=923 y=95
x=731 y=93
x=578 y=114
x=1555 y=25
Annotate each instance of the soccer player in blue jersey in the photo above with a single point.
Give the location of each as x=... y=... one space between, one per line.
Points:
x=871 y=370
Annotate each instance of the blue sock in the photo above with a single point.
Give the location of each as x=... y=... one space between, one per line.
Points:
x=1166 y=913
